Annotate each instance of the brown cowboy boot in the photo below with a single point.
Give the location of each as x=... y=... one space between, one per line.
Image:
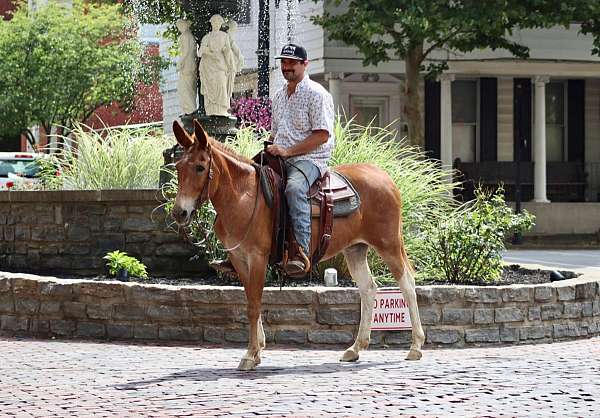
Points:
x=299 y=266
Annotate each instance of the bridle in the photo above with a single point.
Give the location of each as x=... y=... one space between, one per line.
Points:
x=200 y=201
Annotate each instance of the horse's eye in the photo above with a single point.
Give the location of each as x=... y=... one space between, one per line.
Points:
x=199 y=169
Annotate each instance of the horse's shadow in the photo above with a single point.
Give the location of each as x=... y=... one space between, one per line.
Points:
x=215 y=374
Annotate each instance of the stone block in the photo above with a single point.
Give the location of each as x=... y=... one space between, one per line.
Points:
x=398 y=338
x=585 y=290
x=99 y=289
x=337 y=296
x=47 y=233
x=568 y=331
x=62 y=327
x=209 y=314
x=430 y=316
x=508 y=315
x=326 y=336
x=596 y=308
x=99 y=311
x=333 y=316
x=74 y=310
x=90 y=329
x=27 y=306
x=145 y=331
x=7 y=304
x=174 y=250
x=444 y=336
x=455 y=316
x=587 y=308
x=544 y=294
x=112 y=224
x=129 y=312
x=483 y=316
x=150 y=295
x=482 y=335
x=236 y=335
x=5 y=285
x=22 y=233
x=535 y=333
x=572 y=310
x=508 y=334
x=179 y=333
x=213 y=295
x=517 y=294
x=39 y=326
x=290 y=316
x=565 y=293
x=119 y=331
x=290 y=336
x=138 y=237
x=22 y=286
x=214 y=335
x=13 y=323
x=535 y=314
x=482 y=295
x=168 y=313
x=552 y=311
x=76 y=249
x=447 y=294
x=49 y=307
x=139 y=224
x=56 y=290
x=9 y=233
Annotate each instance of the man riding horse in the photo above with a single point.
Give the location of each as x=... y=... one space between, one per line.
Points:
x=302 y=132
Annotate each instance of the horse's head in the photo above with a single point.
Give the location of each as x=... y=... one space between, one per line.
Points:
x=194 y=171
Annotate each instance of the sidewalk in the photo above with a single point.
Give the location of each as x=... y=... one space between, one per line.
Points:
x=73 y=378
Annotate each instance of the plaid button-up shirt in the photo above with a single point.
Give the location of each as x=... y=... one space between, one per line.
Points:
x=309 y=108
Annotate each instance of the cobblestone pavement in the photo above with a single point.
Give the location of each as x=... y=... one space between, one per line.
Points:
x=75 y=378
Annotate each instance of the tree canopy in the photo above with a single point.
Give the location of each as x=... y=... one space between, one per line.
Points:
x=411 y=30
x=58 y=64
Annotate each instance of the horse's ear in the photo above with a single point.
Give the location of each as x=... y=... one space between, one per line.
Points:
x=181 y=135
x=201 y=135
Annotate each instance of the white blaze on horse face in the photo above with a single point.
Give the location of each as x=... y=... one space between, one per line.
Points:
x=187 y=204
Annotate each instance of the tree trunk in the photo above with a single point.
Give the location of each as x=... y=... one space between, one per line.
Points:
x=412 y=109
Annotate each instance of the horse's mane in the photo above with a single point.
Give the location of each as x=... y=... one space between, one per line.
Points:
x=229 y=151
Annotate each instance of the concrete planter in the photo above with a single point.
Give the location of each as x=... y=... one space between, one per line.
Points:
x=451 y=315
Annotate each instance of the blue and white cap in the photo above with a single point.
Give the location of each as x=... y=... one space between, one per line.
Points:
x=293 y=51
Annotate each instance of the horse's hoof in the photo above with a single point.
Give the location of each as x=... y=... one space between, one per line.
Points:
x=414 y=355
x=247 y=364
x=349 y=355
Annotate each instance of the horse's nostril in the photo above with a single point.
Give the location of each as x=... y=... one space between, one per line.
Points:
x=184 y=213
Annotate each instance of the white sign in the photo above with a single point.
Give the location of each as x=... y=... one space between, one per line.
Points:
x=390 y=311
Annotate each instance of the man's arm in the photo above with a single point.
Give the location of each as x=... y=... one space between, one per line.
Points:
x=317 y=138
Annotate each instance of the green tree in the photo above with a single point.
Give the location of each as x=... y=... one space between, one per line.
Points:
x=411 y=30
x=58 y=64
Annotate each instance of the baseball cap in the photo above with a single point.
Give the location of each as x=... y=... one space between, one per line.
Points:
x=293 y=51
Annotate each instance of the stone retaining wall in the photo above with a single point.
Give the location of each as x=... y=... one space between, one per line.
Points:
x=451 y=315
x=70 y=231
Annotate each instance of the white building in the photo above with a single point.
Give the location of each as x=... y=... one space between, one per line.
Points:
x=476 y=112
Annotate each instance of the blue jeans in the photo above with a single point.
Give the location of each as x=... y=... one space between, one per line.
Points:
x=300 y=176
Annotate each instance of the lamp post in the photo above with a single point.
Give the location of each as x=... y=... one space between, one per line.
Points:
x=263 y=48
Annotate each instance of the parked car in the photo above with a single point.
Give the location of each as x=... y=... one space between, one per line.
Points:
x=18 y=168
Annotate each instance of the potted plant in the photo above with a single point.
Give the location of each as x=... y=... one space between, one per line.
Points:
x=123 y=266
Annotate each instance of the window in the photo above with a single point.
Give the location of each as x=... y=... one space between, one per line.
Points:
x=369 y=109
x=464 y=119
x=555 y=121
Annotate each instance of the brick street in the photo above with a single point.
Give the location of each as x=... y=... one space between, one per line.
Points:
x=46 y=378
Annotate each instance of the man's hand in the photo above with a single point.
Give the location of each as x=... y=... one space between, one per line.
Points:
x=277 y=151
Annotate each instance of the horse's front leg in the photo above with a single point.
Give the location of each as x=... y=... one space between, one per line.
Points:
x=253 y=286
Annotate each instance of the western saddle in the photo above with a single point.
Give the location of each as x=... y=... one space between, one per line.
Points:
x=331 y=196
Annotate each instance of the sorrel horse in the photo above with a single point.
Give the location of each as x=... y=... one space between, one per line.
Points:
x=208 y=170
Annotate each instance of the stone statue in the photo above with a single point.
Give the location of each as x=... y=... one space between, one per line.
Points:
x=238 y=58
x=186 y=67
x=217 y=61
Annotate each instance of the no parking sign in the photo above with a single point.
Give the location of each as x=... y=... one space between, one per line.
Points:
x=390 y=311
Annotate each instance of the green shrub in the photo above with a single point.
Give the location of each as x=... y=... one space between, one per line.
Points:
x=467 y=247
x=113 y=158
x=119 y=260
